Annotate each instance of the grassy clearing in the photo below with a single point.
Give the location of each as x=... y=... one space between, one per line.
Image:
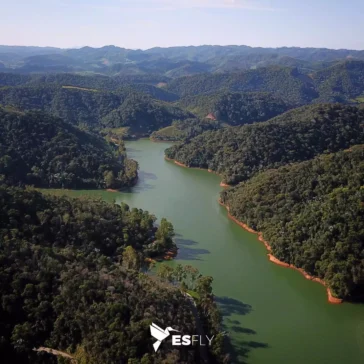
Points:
x=168 y=133
x=194 y=294
x=81 y=88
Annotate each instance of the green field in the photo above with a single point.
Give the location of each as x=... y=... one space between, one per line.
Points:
x=81 y=88
x=170 y=133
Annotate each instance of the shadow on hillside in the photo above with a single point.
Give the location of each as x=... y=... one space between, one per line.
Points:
x=186 y=250
x=241 y=347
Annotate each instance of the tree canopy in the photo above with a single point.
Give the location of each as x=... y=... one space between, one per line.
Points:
x=300 y=134
x=95 y=108
x=71 y=281
x=311 y=213
x=40 y=150
x=235 y=108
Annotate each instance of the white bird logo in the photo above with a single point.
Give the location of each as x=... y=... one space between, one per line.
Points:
x=159 y=334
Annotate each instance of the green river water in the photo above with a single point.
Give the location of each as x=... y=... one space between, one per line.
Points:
x=273 y=314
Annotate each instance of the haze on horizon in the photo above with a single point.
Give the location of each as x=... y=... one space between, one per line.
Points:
x=145 y=24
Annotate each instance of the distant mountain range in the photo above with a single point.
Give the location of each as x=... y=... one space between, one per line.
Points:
x=171 y=62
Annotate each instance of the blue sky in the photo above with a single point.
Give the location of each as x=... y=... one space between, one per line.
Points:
x=148 y=23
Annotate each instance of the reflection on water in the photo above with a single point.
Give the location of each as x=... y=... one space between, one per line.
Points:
x=188 y=250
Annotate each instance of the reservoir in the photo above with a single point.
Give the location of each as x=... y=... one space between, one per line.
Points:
x=273 y=314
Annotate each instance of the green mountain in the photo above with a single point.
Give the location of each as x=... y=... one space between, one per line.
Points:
x=185 y=129
x=312 y=215
x=40 y=150
x=340 y=83
x=143 y=115
x=145 y=84
x=95 y=108
x=172 y=62
x=218 y=110
x=286 y=83
x=235 y=108
x=297 y=135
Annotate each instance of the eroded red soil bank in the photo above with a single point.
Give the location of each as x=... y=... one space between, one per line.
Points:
x=271 y=257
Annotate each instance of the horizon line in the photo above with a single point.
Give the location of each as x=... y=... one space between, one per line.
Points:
x=179 y=46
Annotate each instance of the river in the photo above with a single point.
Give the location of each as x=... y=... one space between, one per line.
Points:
x=273 y=314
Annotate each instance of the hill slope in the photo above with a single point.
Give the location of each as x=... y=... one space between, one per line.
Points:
x=173 y=61
x=95 y=108
x=300 y=134
x=287 y=83
x=340 y=83
x=71 y=280
x=235 y=108
x=47 y=152
x=312 y=215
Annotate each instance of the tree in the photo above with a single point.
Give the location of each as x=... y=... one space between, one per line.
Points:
x=131 y=259
x=165 y=230
x=109 y=179
x=165 y=272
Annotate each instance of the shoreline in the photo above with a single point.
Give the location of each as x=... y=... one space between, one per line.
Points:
x=162 y=141
x=331 y=299
x=134 y=182
x=222 y=183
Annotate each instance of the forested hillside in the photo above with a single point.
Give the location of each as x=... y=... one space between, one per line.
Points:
x=146 y=83
x=144 y=102
x=287 y=83
x=95 y=108
x=185 y=129
x=300 y=134
x=312 y=214
x=44 y=151
x=71 y=280
x=235 y=108
x=143 y=115
x=341 y=83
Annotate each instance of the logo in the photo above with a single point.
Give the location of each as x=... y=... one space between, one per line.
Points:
x=177 y=340
x=159 y=334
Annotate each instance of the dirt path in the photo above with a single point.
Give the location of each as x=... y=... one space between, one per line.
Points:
x=56 y=353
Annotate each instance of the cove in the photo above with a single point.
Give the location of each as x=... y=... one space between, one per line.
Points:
x=273 y=314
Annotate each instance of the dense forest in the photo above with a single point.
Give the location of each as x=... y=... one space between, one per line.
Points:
x=338 y=83
x=146 y=84
x=185 y=129
x=287 y=83
x=94 y=108
x=312 y=214
x=71 y=280
x=146 y=103
x=40 y=150
x=238 y=153
x=143 y=115
x=235 y=108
